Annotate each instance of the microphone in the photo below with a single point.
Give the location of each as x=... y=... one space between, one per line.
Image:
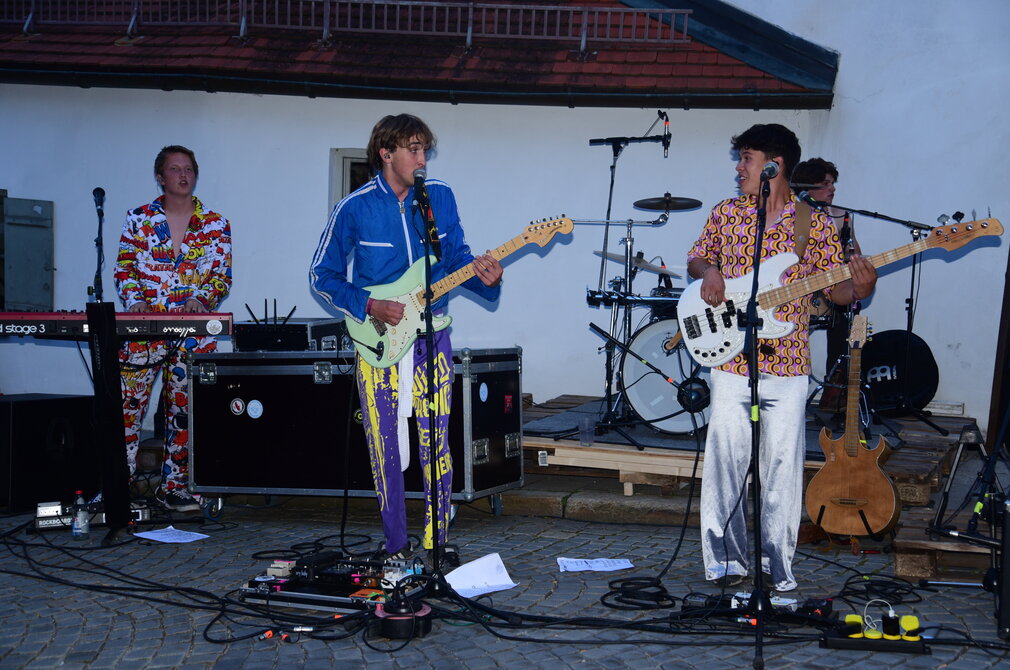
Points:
x=809 y=199
x=769 y=171
x=420 y=192
x=666 y=133
x=99 y=194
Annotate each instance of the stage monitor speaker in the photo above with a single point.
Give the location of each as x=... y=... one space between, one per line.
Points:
x=47 y=449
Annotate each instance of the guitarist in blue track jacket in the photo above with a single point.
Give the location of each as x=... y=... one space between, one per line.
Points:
x=383 y=230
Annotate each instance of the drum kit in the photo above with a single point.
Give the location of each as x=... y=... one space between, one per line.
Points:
x=658 y=383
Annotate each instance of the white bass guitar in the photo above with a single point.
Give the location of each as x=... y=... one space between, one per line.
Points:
x=712 y=334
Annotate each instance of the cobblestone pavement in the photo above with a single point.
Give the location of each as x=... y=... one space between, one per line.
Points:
x=146 y=623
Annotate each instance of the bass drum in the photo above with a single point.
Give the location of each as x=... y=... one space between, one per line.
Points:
x=671 y=409
x=884 y=372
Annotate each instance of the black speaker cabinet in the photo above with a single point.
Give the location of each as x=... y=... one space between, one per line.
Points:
x=47 y=449
x=288 y=423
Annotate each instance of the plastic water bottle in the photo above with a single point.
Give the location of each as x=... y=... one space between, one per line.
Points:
x=80 y=524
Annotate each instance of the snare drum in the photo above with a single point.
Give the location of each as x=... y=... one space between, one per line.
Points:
x=665 y=306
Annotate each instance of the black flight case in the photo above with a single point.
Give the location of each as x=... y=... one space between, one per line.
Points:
x=289 y=423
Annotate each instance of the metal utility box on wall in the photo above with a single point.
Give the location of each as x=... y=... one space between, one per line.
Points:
x=288 y=423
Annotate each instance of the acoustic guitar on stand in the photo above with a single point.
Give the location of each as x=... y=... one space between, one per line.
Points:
x=381 y=344
x=713 y=335
x=851 y=494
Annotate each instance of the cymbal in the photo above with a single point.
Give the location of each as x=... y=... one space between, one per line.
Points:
x=667 y=203
x=640 y=263
x=806 y=186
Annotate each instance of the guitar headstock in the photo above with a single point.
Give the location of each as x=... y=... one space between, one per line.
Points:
x=956 y=235
x=859 y=332
x=542 y=230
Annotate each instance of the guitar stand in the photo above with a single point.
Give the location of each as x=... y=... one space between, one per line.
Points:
x=862 y=517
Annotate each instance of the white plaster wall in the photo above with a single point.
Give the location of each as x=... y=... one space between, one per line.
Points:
x=916 y=131
x=919 y=128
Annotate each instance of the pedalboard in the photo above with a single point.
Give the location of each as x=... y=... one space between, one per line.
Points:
x=55 y=515
x=330 y=581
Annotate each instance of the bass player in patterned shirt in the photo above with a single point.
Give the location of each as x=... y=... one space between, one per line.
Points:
x=725 y=250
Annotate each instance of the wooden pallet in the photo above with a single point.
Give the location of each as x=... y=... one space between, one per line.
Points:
x=917 y=466
x=562 y=403
x=919 y=555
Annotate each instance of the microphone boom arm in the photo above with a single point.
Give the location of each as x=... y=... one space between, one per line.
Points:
x=914 y=225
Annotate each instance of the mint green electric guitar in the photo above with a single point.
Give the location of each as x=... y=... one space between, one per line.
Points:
x=381 y=344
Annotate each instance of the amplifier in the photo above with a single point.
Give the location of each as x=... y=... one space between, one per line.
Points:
x=291 y=335
x=47 y=448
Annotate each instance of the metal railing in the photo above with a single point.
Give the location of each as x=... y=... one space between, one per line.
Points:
x=465 y=20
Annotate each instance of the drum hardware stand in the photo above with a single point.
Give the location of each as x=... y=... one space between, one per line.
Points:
x=904 y=406
x=873 y=417
x=617 y=145
x=994 y=504
x=692 y=397
x=917 y=230
x=619 y=296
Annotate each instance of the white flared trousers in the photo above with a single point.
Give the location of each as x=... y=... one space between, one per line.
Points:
x=725 y=502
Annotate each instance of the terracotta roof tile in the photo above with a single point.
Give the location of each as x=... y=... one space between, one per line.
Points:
x=293 y=61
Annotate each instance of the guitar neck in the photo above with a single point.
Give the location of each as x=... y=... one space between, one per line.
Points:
x=451 y=281
x=853 y=433
x=787 y=292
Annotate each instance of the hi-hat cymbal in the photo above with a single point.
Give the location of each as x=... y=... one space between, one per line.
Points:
x=667 y=203
x=640 y=263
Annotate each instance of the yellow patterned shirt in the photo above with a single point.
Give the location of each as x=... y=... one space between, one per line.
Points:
x=728 y=240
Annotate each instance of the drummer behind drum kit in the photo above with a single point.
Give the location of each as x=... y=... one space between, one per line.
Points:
x=658 y=380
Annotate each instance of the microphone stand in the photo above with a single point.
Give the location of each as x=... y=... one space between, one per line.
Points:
x=760 y=603
x=96 y=289
x=917 y=230
x=617 y=145
x=103 y=341
x=435 y=482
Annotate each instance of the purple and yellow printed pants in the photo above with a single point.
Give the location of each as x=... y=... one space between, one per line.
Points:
x=139 y=365
x=378 y=389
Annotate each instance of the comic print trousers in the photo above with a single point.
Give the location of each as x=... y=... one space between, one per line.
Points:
x=379 y=390
x=139 y=365
x=725 y=501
